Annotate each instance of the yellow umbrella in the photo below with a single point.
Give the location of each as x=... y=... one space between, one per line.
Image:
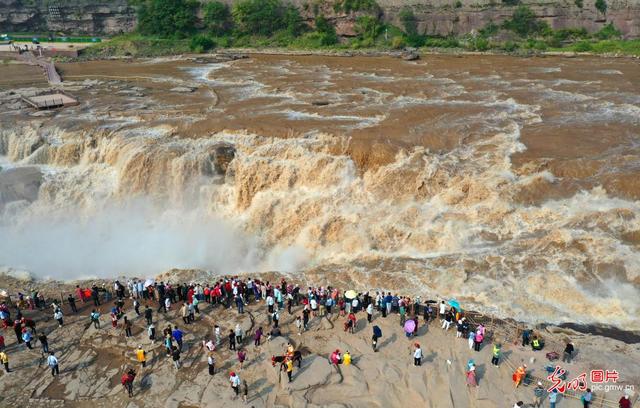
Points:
x=350 y=294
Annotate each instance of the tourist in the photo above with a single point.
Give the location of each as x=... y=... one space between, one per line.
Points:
x=114 y=320
x=168 y=344
x=477 y=342
x=258 y=336
x=417 y=355
x=95 y=319
x=495 y=359
x=539 y=394
x=44 y=342
x=553 y=398
x=151 y=332
x=471 y=377
x=289 y=368
x=369 y=312
x=234 y=379
x=519 y=375
x=232 y=340
x=141 y=356
x=239 y=333
x=58 y=316
x=245 y=391
x=242 y=356
x=4 y=360
x=27 y=337
x=335 y=358
x=177 y=335
x=586 y=398
x=568 y=353
x=127 y=327
x=136 y=306
x=72 y=303
x=52 y=362
x=211 y=361
x=275 y=317
x=346 y=358
x=127 y=381
x=624 y=401
x=175 y=356
x=472 y=339
x=184 y=312
x=305 y=318
x=148 y=315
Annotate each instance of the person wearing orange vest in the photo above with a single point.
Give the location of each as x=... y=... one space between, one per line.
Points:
x=141 y=356
x=519 y=375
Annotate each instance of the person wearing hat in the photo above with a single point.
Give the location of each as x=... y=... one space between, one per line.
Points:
x=346 y=358
x=141 y=356
x=335 y=357
x=519 y=375
x=234 y=379
x=625 y=402
x=539 y=393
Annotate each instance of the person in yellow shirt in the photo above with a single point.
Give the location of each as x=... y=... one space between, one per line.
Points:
x=4 y=359
x=141 y=355
x=289 y=368
x=346 y=358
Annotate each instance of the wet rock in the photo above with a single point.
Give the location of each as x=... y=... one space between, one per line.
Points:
x=224 y=154
x=411 y=56
x=184 y=89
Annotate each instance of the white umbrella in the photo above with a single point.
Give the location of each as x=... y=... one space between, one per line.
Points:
x=149 y=282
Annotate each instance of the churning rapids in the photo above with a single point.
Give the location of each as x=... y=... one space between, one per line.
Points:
x=510 y=183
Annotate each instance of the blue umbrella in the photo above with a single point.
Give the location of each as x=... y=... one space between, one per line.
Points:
x=455 y=304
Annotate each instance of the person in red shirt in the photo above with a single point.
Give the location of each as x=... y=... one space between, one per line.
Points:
x=625 y=402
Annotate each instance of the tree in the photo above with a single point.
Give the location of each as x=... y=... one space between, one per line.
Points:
x=167 y=18
x=217 y=17
x=293 y=21
x=409 y=21
x=523 y=22
x=262 y=17
x=601 y=6
x=368 y=27
x=327 y=32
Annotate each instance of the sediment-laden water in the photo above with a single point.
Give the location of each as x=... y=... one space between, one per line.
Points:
x=510 y=183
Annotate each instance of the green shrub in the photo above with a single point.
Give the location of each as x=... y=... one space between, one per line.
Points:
x=489 y=30
x=349 y=6
x=293 y=21
x=167 y=18
x=261 y=17
x=201 y=43
x=368 y=28
x=582 y=46
x=398 y=42
x=326 y=31
x=601 y=6
x=511 y=2
x=217 y=17
x=409 y=21
x=579 y=3
x=607 y=32
x=509 y=46
x=523 y=22
x=458 y=4
x=416 y=40
x=479 y=44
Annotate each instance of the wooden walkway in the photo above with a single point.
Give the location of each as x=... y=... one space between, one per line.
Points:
x=48 y=66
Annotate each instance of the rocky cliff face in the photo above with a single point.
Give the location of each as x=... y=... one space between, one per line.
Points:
x=446 y=17
x=102 y=17
x=441 y=17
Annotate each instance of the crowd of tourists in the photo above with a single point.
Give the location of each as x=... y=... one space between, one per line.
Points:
x=305 y=304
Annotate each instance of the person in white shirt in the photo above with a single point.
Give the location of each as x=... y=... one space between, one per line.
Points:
x=234 y=379
x=369 y=312
x=417 y=355
x=52 y=362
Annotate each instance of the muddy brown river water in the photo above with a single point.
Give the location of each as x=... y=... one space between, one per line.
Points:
x=510 y=183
